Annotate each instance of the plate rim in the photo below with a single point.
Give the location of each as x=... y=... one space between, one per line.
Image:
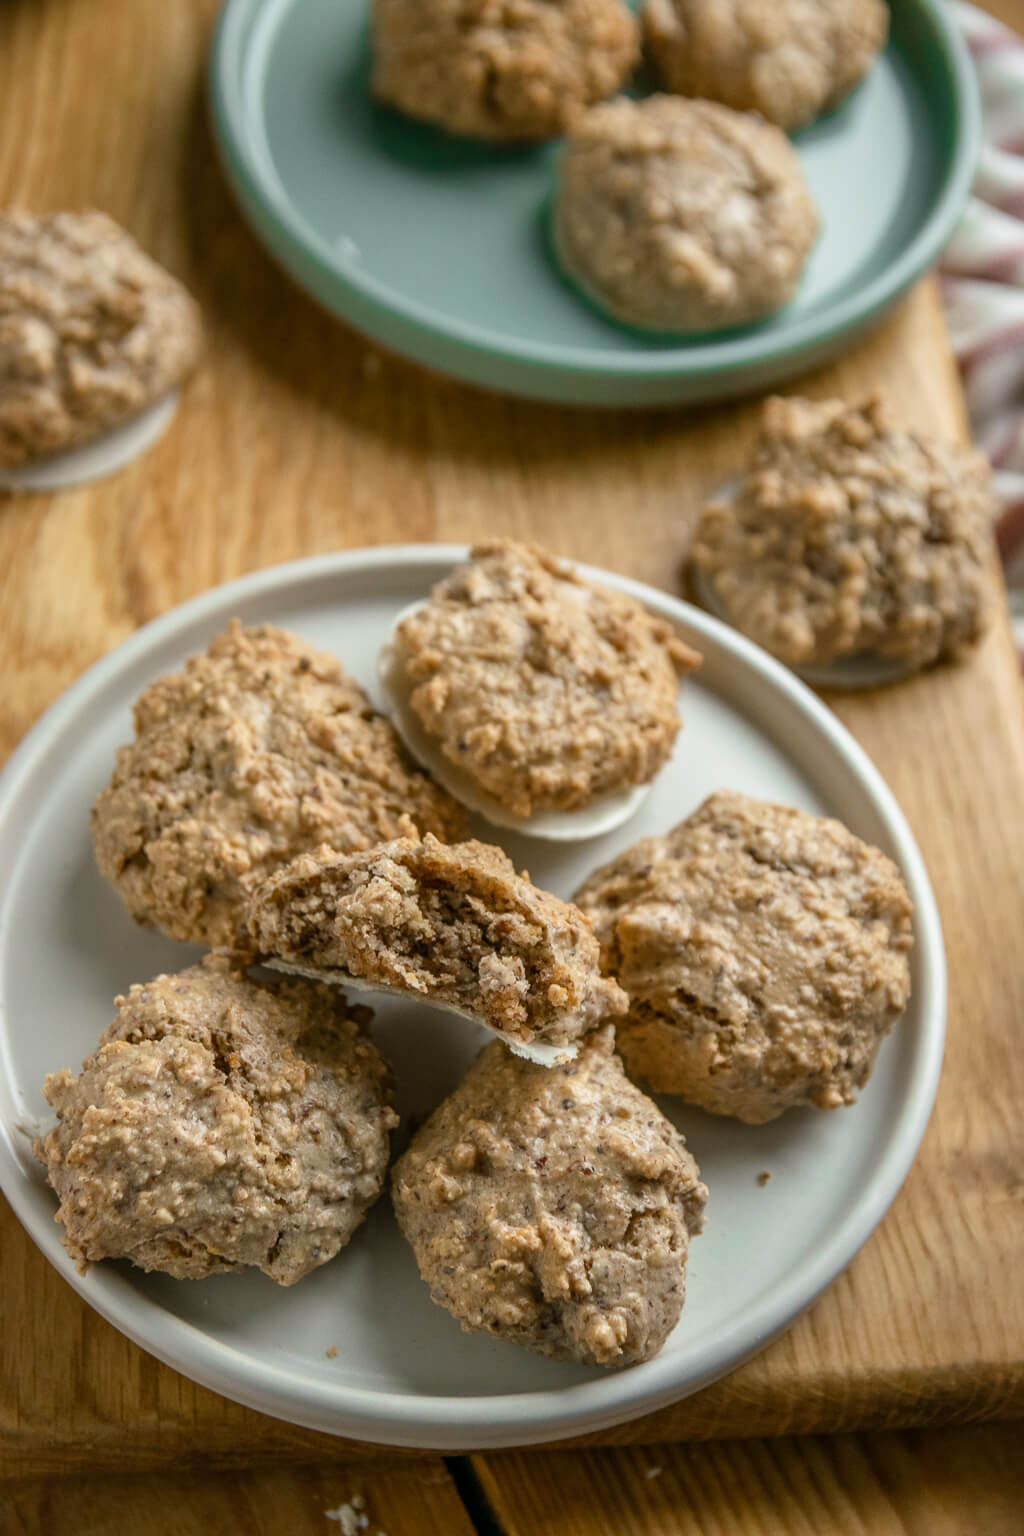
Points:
x=484 y=1422
x=419 y=332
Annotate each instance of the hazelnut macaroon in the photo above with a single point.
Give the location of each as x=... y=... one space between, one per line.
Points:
x=555 y=1208
x=764 y=951
x=789 y=60
x=527 y=689
x=501 y=69
x=453 y=926
x=92 y=331
x=848 y=536
x=221 y=1123
x=682 y=216
x=256 y=751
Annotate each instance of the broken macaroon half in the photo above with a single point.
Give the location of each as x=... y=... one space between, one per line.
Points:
x=453 y=926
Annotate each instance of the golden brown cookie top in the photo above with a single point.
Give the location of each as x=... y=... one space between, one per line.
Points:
x=847 y=534
x=453 y=925
x=92 y=331
x=789 y=60
x=221 y=1122
x=501 y=69
x=682 y=216
x=553 y=1207
x=258 y=750
x=547 y=689
x=764 y=951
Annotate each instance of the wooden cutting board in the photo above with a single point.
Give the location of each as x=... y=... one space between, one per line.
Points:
x=297 y=437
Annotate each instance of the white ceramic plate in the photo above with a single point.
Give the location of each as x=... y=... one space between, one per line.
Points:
x=404 y=1374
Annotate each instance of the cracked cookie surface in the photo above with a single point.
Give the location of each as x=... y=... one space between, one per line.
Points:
x=546 y=689
x=847 y=535
x=682 y=216
x=765 y=954
x=501 y=69
x=92 y=331
x=451 y=925
x=220 y=1123
x=788 y=60
x=255 y=752
x=554 y=1208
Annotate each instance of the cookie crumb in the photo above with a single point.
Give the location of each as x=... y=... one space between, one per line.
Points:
x=763 y=1177
x=332 y=1353
x=351 y=1516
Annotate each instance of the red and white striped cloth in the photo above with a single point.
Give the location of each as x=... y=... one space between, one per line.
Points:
x=983 y=284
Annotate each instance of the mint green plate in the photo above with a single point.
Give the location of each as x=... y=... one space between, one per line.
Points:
x=436 y=247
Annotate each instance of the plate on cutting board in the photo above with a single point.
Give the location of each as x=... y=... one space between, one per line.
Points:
x=404 y=1374
x=437 y=247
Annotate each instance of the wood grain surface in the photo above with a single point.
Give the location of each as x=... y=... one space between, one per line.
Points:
x=397 y=1500
x=937 y=1483
x=296 y=437
x=916 y=1484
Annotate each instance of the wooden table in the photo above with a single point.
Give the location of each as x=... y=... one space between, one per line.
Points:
x=298 y=437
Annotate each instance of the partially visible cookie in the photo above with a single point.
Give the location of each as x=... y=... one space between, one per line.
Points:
x=221 y=1122
x=257 y=751
x=789 y=60
x=847 y=535
x=554 y=1208
x=764 y=951
x=501 y=69
x=682 y=216
x=454 y=926
x=547 y=691
x=92 y=331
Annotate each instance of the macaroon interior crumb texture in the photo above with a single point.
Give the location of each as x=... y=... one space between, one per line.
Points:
x=454 y=925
